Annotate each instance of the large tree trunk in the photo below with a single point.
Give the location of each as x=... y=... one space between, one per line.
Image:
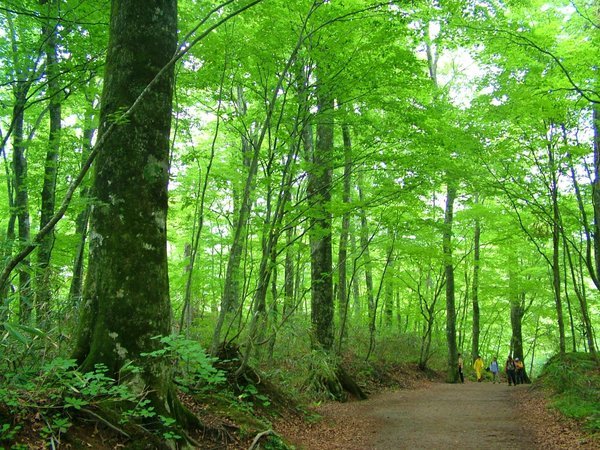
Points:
x=450 y=295
x=22 y=200
x=388 y=308
x=556 y=250
x=475 y=288
x=596 y=186
x=20 y=204
x=517 y=310
x=342 y=290
x=319 y=197
x=126 y=295
x=288 y=284
x=43 y=270
x=365 y=243
x=9 y=241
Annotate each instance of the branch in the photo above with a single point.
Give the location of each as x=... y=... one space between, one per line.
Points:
x=105 y=422
x=97 y=147
x=590 y=21
x=530 y=43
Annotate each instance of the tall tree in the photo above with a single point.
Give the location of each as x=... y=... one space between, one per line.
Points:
x=553 y=188
x=517 y=310
x=342 y=289
x=450 y=292
x=475 y=287
x=48 y=197
x=319 y=197
x=25 y=69
x=126 y=295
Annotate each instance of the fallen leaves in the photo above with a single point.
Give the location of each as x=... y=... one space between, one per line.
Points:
x=550 y=429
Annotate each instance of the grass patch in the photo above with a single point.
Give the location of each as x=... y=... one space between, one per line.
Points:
x=573 y=380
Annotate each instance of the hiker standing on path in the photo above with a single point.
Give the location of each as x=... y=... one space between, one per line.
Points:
x=495 y=370
x=509 y=368
x=461 y=365
x=519 y=378
x=478 y=366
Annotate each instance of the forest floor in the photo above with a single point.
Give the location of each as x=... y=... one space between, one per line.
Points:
x=441 y=416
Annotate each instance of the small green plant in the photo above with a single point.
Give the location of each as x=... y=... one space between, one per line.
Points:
x=169 y=427
x=8 y=431
x=56 y=426
x=195 y=369
x=250 y=395
x=52 y=392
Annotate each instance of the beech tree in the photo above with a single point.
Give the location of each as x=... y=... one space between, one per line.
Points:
x=126 y=296
x=319 y=150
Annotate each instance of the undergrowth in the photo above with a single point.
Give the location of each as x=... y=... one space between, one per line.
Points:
x=573 y=380
x=43 y=399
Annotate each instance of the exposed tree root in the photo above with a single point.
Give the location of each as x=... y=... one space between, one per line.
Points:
x=258 y=437
x=336 y=385
x=349 y=385
x=149 y=432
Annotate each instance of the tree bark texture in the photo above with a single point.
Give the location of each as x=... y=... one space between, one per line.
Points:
x=343 y=297
x=48 y=197
x=319 y=197
x=450 y=294
x=364 y=243
x=556 y=250
x=517 y=310
x=596 y=186
x=288 y=284
x=21 y=203
x=475 y=288
x=126 y=294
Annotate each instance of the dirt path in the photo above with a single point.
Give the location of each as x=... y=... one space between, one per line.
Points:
x=440 y=416
x=468 y=416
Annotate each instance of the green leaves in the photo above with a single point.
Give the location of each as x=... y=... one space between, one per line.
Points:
x=22 y=333
x=195 y=368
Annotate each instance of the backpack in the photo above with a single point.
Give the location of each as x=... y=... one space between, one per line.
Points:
x=519 y=364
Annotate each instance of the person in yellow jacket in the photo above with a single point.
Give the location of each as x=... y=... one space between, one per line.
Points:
x=478 y=366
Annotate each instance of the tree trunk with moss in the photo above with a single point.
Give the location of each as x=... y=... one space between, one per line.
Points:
x=319 y=197
x=596 y=186
x=517 y=311
x=450 y=294
x=475 y=287
x=43 y=293
x=126 y=294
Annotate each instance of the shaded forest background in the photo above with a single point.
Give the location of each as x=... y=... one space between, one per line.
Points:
x=350 y=183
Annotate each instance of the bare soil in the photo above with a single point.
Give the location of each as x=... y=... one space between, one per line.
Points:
x=442 y=416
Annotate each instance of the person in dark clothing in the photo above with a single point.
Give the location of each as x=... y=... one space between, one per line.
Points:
x=519 y=371
x=461 y=365
x=510 y=370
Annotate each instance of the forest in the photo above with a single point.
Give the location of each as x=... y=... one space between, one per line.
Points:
x=264 y=198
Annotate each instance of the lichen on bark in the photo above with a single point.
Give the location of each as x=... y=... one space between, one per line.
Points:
x=126 y=295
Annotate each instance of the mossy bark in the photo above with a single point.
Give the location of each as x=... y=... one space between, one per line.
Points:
x=475 y=287
x=319 y=198
x=43 y=294
x=126 y=294
x=450 y=294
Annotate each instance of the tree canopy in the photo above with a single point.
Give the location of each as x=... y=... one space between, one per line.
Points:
x=388 y=180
